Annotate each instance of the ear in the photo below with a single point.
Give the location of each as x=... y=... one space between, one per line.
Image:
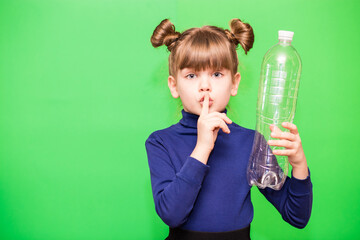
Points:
x=172 y=86
x=235 y=84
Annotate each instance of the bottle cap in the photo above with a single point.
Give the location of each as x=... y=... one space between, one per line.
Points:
x=285 y=35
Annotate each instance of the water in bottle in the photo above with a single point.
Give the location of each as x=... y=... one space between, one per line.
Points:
x=278 y=90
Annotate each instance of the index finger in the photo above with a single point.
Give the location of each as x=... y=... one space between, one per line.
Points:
x=205 y=107
x=275 y=131
x=274 y=128
x=292 y=127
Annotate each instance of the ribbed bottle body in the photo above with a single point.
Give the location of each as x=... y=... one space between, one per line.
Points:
x=277 y=95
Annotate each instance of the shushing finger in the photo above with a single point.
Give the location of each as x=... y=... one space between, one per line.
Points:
x=205 y=107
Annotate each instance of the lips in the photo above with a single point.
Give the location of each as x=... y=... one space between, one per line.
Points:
x=203 y=97
x=210 y=101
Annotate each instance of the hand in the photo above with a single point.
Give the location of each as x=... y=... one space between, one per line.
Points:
x=208 y=127
x=293 y=148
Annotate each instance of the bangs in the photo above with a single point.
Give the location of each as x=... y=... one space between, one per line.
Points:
x=204 y=51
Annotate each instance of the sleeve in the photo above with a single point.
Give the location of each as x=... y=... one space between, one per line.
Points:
x=174 y=192
x=293 y=200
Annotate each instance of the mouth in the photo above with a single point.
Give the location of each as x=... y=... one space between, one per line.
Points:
x=210 y=101
x=203 y=98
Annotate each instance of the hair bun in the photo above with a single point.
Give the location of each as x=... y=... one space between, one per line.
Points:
x=165 y=34
x=241 y=33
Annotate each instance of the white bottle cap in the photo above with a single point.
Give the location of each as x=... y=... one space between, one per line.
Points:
x=285 y=35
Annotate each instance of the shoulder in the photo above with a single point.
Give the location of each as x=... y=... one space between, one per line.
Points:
x=239 y=129
x=159 y=135
x=240 y=137
x=241 y=134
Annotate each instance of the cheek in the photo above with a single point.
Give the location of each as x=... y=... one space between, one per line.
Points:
x=185 y=93
x=224 y=89
x=224 y=94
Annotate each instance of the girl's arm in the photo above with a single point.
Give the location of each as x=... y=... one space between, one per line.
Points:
x=294 y=200
x=174 y=192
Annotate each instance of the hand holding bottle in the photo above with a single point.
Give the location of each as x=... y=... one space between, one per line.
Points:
x=293 y=148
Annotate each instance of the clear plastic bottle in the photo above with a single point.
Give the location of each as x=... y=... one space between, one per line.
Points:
x=278 y=90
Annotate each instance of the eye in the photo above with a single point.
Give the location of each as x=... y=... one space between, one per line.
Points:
x=217 y=74
x=190 y=76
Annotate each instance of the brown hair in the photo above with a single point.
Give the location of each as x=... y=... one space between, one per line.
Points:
x=205 y=47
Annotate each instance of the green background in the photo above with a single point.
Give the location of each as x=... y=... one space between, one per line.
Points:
x=81 y=88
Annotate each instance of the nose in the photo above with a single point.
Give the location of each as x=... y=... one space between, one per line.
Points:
x=205 y=85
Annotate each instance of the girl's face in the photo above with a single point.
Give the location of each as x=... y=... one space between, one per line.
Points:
x=191 y=86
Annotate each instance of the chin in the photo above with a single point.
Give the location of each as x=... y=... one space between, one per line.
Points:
x=192 y=111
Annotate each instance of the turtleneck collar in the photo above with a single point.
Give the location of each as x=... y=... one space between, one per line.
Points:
x=190 y=119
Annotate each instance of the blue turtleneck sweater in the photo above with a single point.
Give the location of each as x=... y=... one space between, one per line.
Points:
x=214 y=197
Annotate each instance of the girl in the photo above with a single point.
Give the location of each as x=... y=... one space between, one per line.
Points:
x=198 y=166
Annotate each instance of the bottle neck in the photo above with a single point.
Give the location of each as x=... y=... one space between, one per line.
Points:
x=284 y=42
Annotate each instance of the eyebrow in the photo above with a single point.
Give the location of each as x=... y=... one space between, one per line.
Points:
x=194 y=70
